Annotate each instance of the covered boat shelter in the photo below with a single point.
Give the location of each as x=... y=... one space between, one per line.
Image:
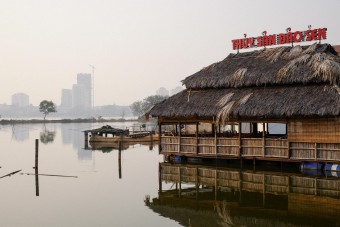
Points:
x=279 y=104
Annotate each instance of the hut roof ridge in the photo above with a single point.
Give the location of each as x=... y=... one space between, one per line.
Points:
x=283 y=65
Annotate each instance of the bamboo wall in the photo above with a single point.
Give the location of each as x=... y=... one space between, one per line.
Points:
x=264 y=148
x=272 y=183
x=317 y=131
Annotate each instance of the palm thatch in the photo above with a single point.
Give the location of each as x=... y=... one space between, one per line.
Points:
x=278 y=83
x=275 y=102
x=276 y=66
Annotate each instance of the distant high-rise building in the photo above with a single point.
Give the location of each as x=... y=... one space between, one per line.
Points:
x=176 y=90
x=162 y=91
x=66 y=98
x=78 y=97
x=84 y=85
x=20 y=99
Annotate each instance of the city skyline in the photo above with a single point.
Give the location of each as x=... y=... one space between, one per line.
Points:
x=67 y=101
x=135 y=46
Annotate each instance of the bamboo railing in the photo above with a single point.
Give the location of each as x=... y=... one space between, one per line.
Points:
x=250 y=148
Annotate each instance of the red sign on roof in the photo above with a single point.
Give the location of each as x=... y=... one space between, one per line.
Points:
x=278 y=39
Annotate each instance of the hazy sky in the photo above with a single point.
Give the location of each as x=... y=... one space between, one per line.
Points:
x=136 y=46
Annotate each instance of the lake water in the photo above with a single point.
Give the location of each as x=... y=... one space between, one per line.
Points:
x=95 y=189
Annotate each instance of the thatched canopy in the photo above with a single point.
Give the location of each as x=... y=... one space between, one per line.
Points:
x=263 y=102
x=276 y=66
x=277 y=83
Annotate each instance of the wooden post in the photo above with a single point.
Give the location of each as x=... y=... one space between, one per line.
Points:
x=36 y=167
x=240 y=141
x=36 y=182
x=179 y=137
x=86 y=139
x=36 y=153
x=215 y=134
x=119 y=159
x=197 y=138
x=151 y=141
x=159 y=137
x=159 y=178
x=264 y=139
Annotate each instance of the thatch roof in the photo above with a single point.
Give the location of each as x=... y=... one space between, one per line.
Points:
x=277 y=83
x=275 y=66
x=265 y=102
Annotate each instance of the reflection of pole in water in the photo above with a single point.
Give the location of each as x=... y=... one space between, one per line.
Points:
x=120 y=159
x=159 y=178
x=36 y=167
x=36 y=182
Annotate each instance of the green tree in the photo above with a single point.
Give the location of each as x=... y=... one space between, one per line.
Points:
x=152 y=100
x=139 y=108
x=47 y=107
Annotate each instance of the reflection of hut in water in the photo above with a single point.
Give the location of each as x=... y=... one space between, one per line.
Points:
x=123 y=145
x=231 y=108
x=227 y=196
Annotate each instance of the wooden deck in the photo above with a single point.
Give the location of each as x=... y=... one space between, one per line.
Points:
x=250 y=148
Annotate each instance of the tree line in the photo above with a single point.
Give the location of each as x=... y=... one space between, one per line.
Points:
x=138 y=108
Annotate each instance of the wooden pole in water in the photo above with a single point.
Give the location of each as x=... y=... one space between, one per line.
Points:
x=36 y=167
x=159 y=137
x=159 y=179
x=36 y=182
x=86 y=140
x=119 y=159
x=36 y=153
x=151 y=141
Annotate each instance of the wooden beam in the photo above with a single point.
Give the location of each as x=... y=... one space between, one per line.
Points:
x=215 y=134
x=264 y=139
x=159 y=137
x=197 y=130
x=179 y=137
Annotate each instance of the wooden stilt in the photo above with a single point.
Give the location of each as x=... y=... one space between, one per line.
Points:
x=36 y=167
x=119 y=159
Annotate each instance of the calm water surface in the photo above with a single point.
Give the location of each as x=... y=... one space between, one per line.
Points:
x=145 y=191
x=97 y=197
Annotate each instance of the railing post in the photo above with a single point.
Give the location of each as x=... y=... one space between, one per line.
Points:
x=240 y=141
x=197 y=138
x=215 y=133
x=264 y=139
x=159 y=137
x=179 y=137
x=288 y=150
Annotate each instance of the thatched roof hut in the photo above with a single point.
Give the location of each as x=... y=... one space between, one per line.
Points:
x=229 y=108
x=277 y=83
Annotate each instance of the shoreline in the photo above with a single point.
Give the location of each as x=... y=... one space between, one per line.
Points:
x=78 y=120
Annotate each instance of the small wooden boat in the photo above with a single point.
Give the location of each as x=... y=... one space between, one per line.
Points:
x=108 y=134
x=129 y=138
